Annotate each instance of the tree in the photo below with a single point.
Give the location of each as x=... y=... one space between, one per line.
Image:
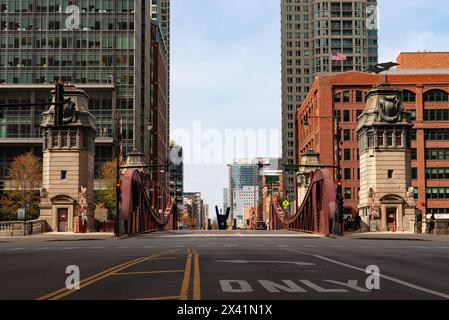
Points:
x=24 y=179
x=107 y=194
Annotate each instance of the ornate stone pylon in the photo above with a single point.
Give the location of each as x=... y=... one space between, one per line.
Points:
x=386 y=195
x=68 y=163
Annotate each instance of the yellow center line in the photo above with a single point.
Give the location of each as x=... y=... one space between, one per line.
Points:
x=146 y=272
x=157 y=298
x=196 y=278
x=184 y=295
x=63 y=292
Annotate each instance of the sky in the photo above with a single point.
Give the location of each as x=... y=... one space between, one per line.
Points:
x=226 y=77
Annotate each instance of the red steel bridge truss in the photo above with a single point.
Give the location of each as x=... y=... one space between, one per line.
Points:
x=317 y=210
x=146 y=207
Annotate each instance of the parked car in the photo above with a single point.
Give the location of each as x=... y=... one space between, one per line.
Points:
x=261 y=225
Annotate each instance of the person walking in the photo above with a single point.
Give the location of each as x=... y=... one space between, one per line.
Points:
x=432 y=223
x=358 y=223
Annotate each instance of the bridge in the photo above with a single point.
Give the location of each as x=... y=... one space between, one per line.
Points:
x=317 y=210
x=142 y=210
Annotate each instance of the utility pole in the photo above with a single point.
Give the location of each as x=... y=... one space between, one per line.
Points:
x=118 y=186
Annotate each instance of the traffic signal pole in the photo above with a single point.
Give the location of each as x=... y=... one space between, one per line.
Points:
x=339 y=215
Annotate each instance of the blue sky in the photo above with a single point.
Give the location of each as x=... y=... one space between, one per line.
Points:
x=225 y=65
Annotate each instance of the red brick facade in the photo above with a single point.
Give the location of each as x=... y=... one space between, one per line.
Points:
x=345 y=93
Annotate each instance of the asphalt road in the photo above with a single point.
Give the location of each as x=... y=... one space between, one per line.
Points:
x=224 y=266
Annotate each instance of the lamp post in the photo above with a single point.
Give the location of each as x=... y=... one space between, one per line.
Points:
x=338 y=221
x=118 y=176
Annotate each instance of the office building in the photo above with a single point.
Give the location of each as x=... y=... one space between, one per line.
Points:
x=320 y=37
x=241 y=173
x=176 y=173
x=107 y=54
x=425 y=93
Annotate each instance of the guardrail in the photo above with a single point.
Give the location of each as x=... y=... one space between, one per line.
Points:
x=21 y=228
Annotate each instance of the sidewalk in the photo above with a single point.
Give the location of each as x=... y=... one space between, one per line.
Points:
x=63 y=236
x=391 y=236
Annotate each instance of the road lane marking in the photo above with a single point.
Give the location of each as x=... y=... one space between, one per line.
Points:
x=257 y=246
x=148 y=247
x=96 y=248
x=63 y=292
x=70 y=248
x=319 y=289
x=146 y=272
x=310 y=246
x=392 y=279
x=282 y=246
x=186 y=280
x=196 y=278
x=16 y=249
x=43 y=248
x=230 y=245
x=158 y=299
x=268 y=262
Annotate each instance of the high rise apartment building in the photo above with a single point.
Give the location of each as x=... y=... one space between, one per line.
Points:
x=311 y=30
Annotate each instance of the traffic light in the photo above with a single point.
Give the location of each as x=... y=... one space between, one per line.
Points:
x=118 y=190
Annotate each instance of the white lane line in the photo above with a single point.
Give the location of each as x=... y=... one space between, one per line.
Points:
x=310 y=246
x=282 y=246
x=231 y=245
x=16 y=249
x=96 y=248
x=70 y=248
x=43 y=248
x=395 y=280
x=268 y=262
x=122 y=247
x=148 y=247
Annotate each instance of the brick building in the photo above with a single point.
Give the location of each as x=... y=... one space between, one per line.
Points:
x=425 y=84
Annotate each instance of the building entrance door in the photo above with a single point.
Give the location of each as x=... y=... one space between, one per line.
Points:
x=63 y=219
x=392 y=219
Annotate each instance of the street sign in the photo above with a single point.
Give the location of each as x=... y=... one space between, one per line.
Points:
x=21 y=214
x=285 y=204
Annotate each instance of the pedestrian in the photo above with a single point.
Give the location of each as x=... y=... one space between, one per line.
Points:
x=358 y=223
x=432 y=223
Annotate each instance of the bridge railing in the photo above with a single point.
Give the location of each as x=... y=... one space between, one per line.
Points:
x=316 y=211
x=140 y=212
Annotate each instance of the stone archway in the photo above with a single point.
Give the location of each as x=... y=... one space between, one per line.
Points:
x=59 y=204
x=392 y=209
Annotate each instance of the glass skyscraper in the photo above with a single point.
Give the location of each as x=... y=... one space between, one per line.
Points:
x=101 y=46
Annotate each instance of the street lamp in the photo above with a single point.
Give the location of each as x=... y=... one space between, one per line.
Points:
x=338 y=227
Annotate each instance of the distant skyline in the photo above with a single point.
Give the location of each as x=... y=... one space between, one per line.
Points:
x=226 y=68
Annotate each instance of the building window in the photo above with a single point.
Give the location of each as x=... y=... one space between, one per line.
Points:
x=390 y=174
x=347 y=174
x=346 y=116
x=408 y=96
x=436 y=96
x=414 y=173
x=414 y=154
x=437 y=173
x=337 y=97
x=437 y=193
x=347 y=135
x=436 y=115
x=347 y=154
x=359 y=96
x=437 y=154
x=348 y=193
x=63 y=175
x=436 y=134
x=346 y=96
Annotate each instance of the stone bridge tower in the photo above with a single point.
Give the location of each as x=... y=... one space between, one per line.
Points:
x=386 y=196
x=68 y=163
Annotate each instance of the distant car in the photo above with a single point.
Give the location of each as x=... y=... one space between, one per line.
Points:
x=261 y=225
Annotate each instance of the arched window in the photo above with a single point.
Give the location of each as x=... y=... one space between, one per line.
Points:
x=408 y=96
x=337 y=97
x=436 y=96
